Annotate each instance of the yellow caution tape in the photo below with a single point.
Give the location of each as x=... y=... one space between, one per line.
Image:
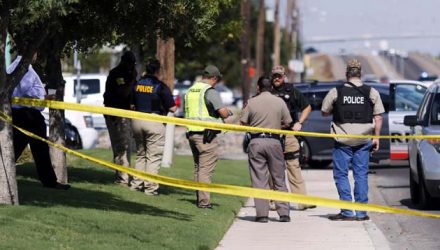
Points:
x=187 y=122
x=233 y=190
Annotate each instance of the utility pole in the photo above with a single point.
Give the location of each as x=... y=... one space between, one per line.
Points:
x=277 y=35
x=165 y=54
x=77 y=66
x=245 y=11
x=260 y=39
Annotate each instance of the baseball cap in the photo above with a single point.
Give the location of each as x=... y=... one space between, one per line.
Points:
x=212 y=70
x=353 y=64
x=278 y=70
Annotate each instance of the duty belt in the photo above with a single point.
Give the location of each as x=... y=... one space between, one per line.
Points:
x=265 y=135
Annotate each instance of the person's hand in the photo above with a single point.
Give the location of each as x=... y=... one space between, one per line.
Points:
x=49 y=97
x=297 y=126
x=375 y=145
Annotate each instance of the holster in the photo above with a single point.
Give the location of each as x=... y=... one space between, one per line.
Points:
x=246 y=140
x=209 y=135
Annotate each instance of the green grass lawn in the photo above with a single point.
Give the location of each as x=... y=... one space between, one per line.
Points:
x=97 y=214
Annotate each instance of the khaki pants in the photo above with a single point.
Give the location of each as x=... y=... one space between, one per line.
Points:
x=266 y=161
x=150 y=140
x=119 y=130
x=205 y=159
x=294 y=176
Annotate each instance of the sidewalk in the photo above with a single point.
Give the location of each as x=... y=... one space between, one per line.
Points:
x=310 y=229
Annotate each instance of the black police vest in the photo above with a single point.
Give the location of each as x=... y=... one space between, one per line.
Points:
x=147 y=98
x=287 y=94
x=352 y=106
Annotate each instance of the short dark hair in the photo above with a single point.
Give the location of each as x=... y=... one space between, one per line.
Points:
x=264 y=83
x=152 y=66
x=354 y=69
x=128 y=57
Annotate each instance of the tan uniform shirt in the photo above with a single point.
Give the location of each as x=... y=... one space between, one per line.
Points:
x=266 y=111
x=352 y=128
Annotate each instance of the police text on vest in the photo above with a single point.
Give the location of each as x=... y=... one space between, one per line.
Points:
x=353 y=100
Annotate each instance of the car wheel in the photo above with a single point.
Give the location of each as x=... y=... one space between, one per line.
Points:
x=307 y=155
x=72 y=139
x=425 y=200
x=413 y=188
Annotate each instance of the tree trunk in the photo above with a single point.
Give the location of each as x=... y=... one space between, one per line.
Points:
x=56 y=116
x=140 y=58
x=8 y=183
x=245 y=49
x=165 y=54
x=260 y=39
x=277 y=35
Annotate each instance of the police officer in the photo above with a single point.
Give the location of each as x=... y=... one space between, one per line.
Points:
x=354 y=107
x=265 y=151
x=150 y=95
x=203 y=103
x=296 y=103
x=118 y=87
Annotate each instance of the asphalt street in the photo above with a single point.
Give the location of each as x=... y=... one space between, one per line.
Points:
x=389 y=185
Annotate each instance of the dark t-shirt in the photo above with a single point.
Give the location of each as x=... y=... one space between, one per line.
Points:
x=299 y=100
x=118 y=87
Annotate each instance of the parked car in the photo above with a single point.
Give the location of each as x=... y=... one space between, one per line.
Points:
x=79 y=132
x=179 y=91
x=424 y=155
x=92 y=91
x=400 y=98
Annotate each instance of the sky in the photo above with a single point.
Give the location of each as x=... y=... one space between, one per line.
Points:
x=356 y=18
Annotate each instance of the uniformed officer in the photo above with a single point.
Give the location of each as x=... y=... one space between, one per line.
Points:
x=118 y=87
x=296 y=103
x=354 y=107
x=150 y=95
x=203 y=103
x=266 y=157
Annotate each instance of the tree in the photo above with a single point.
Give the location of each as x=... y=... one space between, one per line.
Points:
x=259 y=51
x=9 y=11
x=245 y=48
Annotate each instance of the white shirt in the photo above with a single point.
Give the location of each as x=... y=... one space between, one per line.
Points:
x=30 y=85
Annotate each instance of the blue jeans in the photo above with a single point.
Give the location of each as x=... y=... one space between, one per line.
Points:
x=358 y=157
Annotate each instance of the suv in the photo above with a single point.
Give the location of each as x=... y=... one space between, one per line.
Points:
x=424 y=155
x=400 y=98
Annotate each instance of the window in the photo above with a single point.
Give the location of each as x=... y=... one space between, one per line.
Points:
x=88 y=86
x=435 y=110
x=422 y=113
x=408 y=97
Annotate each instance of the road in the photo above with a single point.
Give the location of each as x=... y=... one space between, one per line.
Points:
x=390 y=186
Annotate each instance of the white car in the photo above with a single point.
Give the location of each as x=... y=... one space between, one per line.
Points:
x=92 y=91
x=424 y=155
x=79 y=130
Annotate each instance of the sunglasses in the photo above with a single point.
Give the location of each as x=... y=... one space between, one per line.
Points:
x=277 y=76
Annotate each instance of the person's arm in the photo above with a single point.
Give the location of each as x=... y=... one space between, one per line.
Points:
x=327 y=103
x=224 y=112
x=378 y=120
x=172 y=109
x=302 y=118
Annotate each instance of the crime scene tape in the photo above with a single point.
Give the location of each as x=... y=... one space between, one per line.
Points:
x=187 y=122
x=230 y=189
